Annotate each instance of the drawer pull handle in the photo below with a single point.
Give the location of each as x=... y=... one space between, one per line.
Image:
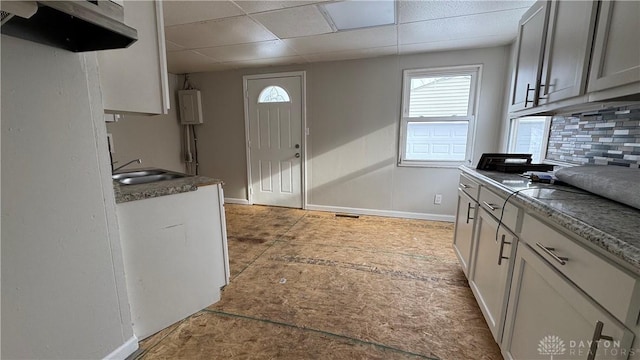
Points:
x=469 y=207
x=597 y=336
x=493 y=207
x=464 y=186
x=550 y=251
x=500 y=257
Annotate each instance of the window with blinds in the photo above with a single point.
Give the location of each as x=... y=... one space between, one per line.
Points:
x=438 y=112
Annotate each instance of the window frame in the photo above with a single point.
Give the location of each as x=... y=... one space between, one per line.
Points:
x=261 y=94
x=474 y=94
x=513 y=133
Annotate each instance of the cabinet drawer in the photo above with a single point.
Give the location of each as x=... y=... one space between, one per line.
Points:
x=469 y=186
x=494 y=204
x=610 y=286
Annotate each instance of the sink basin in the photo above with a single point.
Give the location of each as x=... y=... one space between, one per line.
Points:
x=135 y=177
x=149 y=178
x=137 y=173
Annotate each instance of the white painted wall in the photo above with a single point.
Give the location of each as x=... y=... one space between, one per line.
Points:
x=353 y=110
x=154 y=139
x=63 y=289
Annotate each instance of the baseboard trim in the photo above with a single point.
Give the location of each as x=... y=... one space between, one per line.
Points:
x=236 y=201
x=386 y=213
x=124 y=350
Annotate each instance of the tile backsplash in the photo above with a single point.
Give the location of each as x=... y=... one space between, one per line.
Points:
x=605 y=137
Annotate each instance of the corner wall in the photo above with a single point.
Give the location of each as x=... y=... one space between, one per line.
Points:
x=353 y=113
x=63 y=290
x=157 y=139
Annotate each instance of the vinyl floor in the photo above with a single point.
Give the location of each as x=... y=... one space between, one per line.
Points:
x=313 y=285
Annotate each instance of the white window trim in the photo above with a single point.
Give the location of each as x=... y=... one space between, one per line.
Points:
x=513 y=129
x=474 y=95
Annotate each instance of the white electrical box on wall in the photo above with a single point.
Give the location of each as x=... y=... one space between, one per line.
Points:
x=190 y=103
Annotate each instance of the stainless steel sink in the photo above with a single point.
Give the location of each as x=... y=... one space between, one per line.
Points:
x=149 y=178
x=137 y=173
x=146 y=176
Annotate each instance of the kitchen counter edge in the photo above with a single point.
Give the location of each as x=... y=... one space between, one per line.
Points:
x=126 y=193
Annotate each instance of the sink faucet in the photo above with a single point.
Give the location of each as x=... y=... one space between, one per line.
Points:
x=139 y=161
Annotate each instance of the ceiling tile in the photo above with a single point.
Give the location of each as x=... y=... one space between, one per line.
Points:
x=345 y=40
x=185 y=12
x=252 y=6
x=477 y=42
x=288 y=60
x=295 y=22
x=252 y=51
x=410 y=11
x=179 y=62
x=353 y=54
x=171 y=46
x=471 y=26
x=228 y=31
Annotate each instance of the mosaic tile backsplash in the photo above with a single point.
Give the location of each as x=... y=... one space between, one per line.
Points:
x=606 y=137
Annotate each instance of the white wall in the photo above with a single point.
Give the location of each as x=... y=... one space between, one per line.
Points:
x=353 y=110
x=63 y=289
x=154 y=139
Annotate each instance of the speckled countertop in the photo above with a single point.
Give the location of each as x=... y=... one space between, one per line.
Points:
x=611 y=226
x=125 y=193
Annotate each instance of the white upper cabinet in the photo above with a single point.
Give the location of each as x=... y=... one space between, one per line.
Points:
x=529 y=53
x=135 y=79
x=567 y=50
x=616 y=52
x=570 y=53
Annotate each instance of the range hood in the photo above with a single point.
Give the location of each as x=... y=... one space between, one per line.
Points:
x=78 y=26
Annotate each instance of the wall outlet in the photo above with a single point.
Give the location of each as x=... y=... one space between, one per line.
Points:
x=437 y=199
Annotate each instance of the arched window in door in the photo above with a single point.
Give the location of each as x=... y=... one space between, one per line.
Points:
x=272 y=94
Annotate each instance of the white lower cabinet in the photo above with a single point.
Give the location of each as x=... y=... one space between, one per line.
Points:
x=549 y=317
x=175 y=256
x=463 y=235
x=490 y=271
x=544 y=292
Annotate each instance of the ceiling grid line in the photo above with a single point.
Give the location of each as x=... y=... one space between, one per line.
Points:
x=231 y=34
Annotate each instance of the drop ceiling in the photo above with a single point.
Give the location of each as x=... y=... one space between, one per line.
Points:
x=223 y=34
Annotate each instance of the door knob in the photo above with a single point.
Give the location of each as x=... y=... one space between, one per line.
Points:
x=297 y=146
x=297 y=155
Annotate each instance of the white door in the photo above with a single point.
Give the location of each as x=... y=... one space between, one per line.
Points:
x=274 y=119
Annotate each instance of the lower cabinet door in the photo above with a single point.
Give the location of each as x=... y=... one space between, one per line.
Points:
x=465 y=218
x=549 y=318
x=490 y=271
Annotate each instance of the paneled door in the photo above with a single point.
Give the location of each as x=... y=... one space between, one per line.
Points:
x=274 y=113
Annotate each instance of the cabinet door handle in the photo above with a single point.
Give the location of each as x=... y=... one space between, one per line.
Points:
x=597 y=336
x=493 y=207
x=469 y=207
x=526 y=97
x=542 y=97
x=464 y=186
x=550 y=251
x=502 y=242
